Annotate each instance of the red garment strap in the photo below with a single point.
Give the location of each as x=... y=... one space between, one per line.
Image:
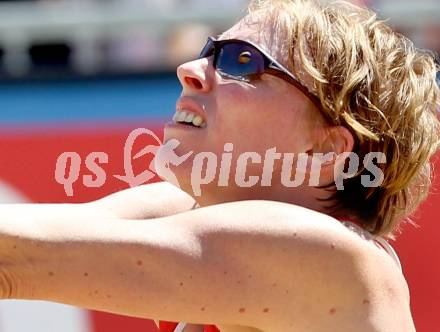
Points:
x=171 y=326
x=167 y=326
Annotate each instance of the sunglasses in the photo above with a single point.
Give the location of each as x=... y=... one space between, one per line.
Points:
x=241 y=60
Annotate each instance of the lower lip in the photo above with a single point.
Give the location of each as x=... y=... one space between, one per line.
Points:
x=174 y=125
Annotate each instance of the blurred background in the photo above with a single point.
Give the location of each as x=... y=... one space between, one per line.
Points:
x=80 y=75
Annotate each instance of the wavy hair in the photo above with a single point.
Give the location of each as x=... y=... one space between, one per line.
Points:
x=376 y=83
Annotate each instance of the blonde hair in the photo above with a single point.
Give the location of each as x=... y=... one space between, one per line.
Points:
x=373 y=81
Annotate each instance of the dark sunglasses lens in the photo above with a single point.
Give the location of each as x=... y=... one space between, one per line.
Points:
x=207 y=50
x=240 y=60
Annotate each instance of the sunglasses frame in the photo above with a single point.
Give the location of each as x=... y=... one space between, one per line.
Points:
x=271 y=66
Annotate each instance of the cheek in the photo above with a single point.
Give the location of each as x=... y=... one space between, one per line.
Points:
x=257 y=119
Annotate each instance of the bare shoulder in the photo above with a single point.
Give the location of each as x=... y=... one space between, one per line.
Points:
x=312 y=270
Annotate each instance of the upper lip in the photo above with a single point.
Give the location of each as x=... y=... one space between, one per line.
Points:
x=188 y=104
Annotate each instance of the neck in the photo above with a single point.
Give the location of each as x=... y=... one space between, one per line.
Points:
x=308 y=197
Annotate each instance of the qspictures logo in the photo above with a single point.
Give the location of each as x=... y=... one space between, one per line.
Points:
x=208 y=166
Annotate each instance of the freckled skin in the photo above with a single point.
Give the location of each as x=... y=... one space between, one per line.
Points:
x=366 y=302
x=86 y=274
x=51 y=274
x=181 y=284
x=202 y=308
x=139 y=263
x=237 y=115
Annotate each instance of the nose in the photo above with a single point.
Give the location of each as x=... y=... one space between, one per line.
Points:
x=196 y=76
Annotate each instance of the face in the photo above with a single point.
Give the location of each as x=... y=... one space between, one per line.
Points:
x=254 y=116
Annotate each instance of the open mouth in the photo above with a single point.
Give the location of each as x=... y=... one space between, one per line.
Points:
x=189 y=119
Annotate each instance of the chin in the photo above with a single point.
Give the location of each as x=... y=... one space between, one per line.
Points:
x=173 y=165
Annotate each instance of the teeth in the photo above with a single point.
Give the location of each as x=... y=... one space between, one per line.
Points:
x=197 y=121
x=175 y=116
x=188 y=117
x=181 y=116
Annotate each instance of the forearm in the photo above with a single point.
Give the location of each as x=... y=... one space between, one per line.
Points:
x=44 y=246
x=95 y=263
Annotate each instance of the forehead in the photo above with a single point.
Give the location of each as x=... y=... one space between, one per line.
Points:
x=263 y=31
x=247 y=28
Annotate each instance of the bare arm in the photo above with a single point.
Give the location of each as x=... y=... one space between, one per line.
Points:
x=238 y=263
x=145 y=202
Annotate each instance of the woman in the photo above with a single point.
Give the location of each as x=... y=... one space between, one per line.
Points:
x=243 y=248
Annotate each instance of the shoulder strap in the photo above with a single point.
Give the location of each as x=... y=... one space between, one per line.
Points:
x=165 y=326
x=378 y=240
